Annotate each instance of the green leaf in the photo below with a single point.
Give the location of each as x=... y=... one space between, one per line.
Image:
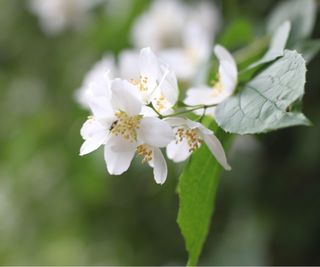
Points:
x=301 y=13
x=237 y=33
x=277 y=45
x=197 y=192
x=264 y=103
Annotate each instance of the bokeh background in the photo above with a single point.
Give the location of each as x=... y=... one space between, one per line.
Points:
x=57 y=208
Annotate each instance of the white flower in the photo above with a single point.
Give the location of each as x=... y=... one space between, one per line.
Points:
x=222 y=89
x=182 y=34
x=161 y=25
x=96 y=81
x=189 y=137
x=155 y=82
x=117 y=124
x=56 y=15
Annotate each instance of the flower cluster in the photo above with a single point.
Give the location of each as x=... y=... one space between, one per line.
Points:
x=136 y=114
x=182 y=33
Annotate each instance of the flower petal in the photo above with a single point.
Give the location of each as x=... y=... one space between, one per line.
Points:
x=178 y=152
x=148 y=112
x=101 y=109
x=176 y=121
x=216 y=149
x=149 y=66
x=94 y=134
x=160 y=170
x=90 y=145
x=91 y=127
x=125 y=97
x=200 y=96
x=128 y=64
x=181 y=61
x=155 y=132
x=119 y=144
x=227 y=70
x=117 y=162
x=197 y=125
x=169 y=85
x=100 y=86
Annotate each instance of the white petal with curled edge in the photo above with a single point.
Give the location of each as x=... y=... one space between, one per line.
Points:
x=90 y=145
x=228 y=68
x=216 y=149
x=178 y=152
x=160 y=170
x=117 y=162
x=200 y=96
x=125 y=97
x=94 y=134
x=155 y=132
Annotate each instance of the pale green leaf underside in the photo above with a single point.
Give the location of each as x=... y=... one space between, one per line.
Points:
x=197 y=191
x=277 y=45
x=262 y=104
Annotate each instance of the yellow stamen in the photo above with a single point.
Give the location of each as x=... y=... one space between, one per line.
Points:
x=217 y=87
x=193 y=139
x=161 y=103
x=126 y=126
x=141 y=83
x=144 y=151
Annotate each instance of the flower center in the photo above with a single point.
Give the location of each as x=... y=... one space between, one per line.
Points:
x=161 y=103
x=145 y=152
x=141 y=84
x=126 y=126
x=217 y=87
x=193 y=139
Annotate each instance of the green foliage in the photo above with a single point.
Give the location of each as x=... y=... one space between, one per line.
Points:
x=197 y=190
x=238 y=33
x=269 y=101
x=264 y=103
x=59 y=209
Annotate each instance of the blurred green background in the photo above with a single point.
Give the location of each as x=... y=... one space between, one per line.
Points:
x=57 y=208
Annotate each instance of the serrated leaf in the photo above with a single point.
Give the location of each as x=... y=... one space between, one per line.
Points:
x=197 y=192
x=262 y=105
x=277 y=45
x=301 y=13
